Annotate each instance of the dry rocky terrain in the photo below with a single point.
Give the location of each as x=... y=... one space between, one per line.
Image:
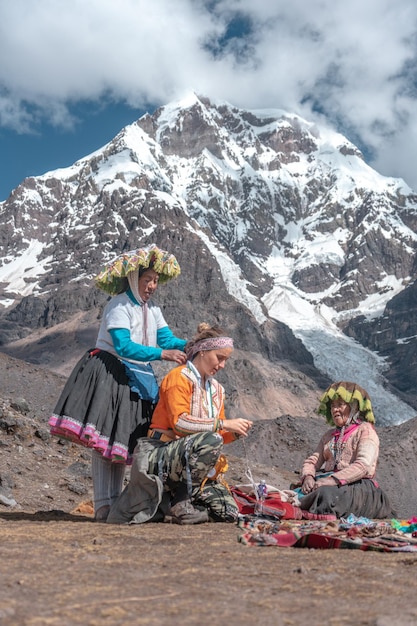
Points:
x=60 y=567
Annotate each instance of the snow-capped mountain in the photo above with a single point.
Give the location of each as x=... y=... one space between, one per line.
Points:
x=284 y=234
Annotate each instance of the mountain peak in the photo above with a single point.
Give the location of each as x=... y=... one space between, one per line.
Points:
x=280 y=218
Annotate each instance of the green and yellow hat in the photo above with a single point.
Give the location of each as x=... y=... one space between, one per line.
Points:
x=347 y=392
x=113 y=277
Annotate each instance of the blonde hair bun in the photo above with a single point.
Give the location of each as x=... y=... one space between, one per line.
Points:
x=203 y=326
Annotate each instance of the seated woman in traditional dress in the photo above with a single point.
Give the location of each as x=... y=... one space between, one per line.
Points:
x=174 y=468
x=348 y=453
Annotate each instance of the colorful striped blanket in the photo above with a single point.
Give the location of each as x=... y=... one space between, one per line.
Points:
x=349 y=533
x=275 y=506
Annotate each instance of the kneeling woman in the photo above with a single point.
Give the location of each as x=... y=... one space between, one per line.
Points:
x=349 y=453
x=185 y=440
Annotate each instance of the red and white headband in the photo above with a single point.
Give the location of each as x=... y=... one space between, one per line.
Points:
x=212 y=343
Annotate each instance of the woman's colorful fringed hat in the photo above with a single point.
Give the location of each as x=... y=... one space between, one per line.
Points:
x=347 y=392
x=112 y=278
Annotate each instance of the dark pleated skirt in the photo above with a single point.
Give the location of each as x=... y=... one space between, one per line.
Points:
x=98 y=409
x=361 y=498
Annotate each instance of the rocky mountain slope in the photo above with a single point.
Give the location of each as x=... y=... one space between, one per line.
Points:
x=285 y=236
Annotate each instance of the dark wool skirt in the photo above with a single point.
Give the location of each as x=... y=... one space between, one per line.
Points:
x=361 y=498
x=98 y=409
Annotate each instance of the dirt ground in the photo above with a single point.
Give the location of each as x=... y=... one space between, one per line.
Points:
x=60 y=567
x=67 y=570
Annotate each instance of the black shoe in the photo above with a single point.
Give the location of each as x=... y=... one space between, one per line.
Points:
x=102 y=514
x=185 y=513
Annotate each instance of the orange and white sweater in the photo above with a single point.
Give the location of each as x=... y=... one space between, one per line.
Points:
x=187 y=408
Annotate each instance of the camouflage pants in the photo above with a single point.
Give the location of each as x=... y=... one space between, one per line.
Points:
x=183 y=464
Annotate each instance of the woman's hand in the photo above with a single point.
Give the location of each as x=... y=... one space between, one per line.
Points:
x=309 y=484
x=174 y=355
x=239 y=426
x=327 y=481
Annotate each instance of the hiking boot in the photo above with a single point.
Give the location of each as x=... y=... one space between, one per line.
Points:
x=184 y=513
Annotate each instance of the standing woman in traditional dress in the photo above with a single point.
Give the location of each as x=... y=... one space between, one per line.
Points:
x=339 y=478
x=108 y=400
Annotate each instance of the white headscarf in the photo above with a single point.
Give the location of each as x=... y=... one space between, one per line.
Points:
x=133 y=280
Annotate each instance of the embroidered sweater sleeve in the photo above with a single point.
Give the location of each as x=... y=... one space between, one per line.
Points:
x=314 y=462
x=128 y=349
x=360 y=455
x=187 y=424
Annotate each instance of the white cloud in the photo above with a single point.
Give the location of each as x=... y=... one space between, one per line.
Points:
x=352 y=63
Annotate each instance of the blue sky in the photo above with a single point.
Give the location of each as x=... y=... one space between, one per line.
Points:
x=74 y=73
x=47 y=148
